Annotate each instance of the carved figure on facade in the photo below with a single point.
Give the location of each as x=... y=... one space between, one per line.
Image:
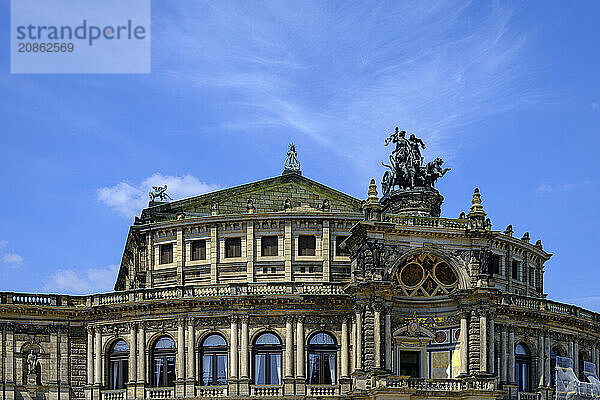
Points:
x=406 y=170
x=291 y=163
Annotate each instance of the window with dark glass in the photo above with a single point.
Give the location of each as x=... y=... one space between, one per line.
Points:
x=213 y=360
x=268 y=246
x=233 y=247
x=522 y=368
x=410 y=363
x=117 y=365
x=515 y=269
x=267 y=360
x=554 y=352
x=338 y=250
x=307 y=245
x=582 y=358
x=198 y=250
x=163 y=362
x=321 y=359
x=494 y=264
x=166 y=253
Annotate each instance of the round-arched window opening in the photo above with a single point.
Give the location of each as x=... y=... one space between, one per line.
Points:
x=163 y=362
x=444 y=274
x=554 y=352
x=118 y=371
x=267 y=360
x=522 y=368
x=213 y=360
x=322 y=351
x=425 y=275
x=412 y=275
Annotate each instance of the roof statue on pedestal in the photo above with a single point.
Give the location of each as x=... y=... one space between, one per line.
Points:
x=291 y=164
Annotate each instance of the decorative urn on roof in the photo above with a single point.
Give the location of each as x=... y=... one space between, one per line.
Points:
x=408 y=187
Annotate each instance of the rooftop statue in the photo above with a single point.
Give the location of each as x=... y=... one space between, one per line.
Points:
x=291 y=162
x=406 y=165
x=160 y=193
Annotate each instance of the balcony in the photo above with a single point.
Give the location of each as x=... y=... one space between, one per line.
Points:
x=266 y=390
x=160 y=393
x=322 y=390
x=114 y=394
x=527 y=396
x=211 y=391
x=439 y=385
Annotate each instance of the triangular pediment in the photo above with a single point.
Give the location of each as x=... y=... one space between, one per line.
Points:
x=268 y=195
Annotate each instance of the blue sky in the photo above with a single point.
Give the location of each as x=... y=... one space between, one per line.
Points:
x=507 y=93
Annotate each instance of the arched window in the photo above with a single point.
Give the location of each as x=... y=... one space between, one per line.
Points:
x=583 y=356
x=321 y=359
x=163 y=362
x=554 y=352
x=522 y=367
x=267 y=360
x=118 y=356
x=213 y=358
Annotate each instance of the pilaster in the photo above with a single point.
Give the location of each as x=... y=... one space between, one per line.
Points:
x=326 y=247
x=190 y=381
x=250 y=251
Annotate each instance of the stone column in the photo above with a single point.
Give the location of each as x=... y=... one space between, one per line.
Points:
x=576 y=356
x=492 y=346
x=541 y=358
x=483 y=340
x=98 y=359
x=90 y=355
x=503 y=355
x=234 y=349
x=250 y=251
x=464 y=343
x=358 y=340
x=287 y=249
x=344 y=355
x=377 y=335
x=131 y=385
x=191 y=360
x=180 y=256
x=326 y=246
x=289 y=348
x=244 y=359
x=300 y=348
x=214 y=259
x=388 y=340
x=547 y=371
x=180 y=360
x=141 y=375
x=353 y=343
x=511 y=356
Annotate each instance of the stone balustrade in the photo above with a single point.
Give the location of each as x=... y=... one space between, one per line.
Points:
x=160 y=393
x=322 y=390
x=266 y=390
x=528 y=396
x=428 y=222
x=114 y=394
x=439 y=385
x=211 y=391
x=540 y=304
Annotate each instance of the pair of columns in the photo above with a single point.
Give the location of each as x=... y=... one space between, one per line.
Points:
x=486 y=341
x=358 y=339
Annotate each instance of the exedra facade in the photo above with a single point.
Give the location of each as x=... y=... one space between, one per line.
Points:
x=287 y=288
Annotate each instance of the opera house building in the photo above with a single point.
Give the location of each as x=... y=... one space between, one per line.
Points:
x=287 y=288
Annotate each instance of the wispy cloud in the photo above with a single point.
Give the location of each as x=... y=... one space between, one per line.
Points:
x=75 y=281
x=431 y=68
x=9 y=258
x=129 y=199
x=562 y=187
x=595 y=105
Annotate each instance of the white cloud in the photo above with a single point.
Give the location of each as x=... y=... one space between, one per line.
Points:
x=562 y=187
x=12 y=258
x=8 y=258
x=595 y=105
x=128 y=200
x=88 y=281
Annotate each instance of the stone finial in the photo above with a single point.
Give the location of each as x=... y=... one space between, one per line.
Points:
x=525 y=237
x=326 y=206
x=372 y=192
x=291 y=164
x=250 y=209
x=476 y=215
x=214 y=209
x=371 y=207
x=287 y=205
x=488 y=224
x=509 y=230
x=538 y=244
x=462 y=215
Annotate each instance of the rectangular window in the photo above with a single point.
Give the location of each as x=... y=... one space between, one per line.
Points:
x=268 y=246
x=233 y=247
x=307 y=245
x=409 y=363
x=338 y=250
x=494 y=265
x=198 y=250
x=515 y=269
x=166 y=253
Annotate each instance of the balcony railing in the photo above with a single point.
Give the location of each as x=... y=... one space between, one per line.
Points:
x=266 y=390
x=539 y=304
x=211 y=391
x=114 y=394
x=447 y=223
x=527 y=396
x=440 y=385
x=160 y=393
x=322 y=390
